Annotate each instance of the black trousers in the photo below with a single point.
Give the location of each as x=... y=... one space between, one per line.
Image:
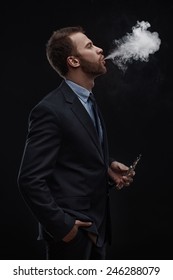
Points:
x=80 y=248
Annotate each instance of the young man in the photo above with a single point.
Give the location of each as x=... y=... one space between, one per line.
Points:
x=65 y=170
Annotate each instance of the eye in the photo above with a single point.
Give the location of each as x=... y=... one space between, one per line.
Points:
x=90 y=45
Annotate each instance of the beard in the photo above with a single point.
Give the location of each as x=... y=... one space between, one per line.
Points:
x=93 y=68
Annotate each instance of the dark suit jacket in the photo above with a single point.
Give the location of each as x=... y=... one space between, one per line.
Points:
x=63 y=173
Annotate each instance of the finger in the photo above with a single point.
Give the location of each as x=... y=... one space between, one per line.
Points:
x=119 y=167
x=131 y=173
x=127 y=183
x=82 y=224
x=127 y=179
x=119 y=186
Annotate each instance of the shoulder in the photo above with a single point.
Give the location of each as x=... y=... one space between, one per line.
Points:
x=55 y=102
x=54 y=99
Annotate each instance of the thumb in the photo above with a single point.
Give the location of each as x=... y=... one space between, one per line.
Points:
x=82 y=224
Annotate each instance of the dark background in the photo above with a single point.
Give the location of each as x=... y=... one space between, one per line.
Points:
x=137 y=106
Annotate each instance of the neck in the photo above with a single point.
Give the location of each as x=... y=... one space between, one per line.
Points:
x=83 y=80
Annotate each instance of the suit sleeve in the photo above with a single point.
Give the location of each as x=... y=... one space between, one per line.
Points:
x=39 y=157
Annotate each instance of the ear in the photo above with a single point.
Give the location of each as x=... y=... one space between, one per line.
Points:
x=73 y=61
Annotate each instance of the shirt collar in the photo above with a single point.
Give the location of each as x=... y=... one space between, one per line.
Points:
x=81 y=92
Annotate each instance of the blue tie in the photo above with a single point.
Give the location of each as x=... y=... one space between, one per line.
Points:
x=96 y=115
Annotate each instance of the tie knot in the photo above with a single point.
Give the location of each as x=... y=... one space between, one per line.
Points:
x=91 y=96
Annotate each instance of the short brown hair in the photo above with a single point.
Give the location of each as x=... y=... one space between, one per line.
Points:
x=59 y=47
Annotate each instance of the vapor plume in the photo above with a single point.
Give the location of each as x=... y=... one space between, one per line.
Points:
x=137 y=45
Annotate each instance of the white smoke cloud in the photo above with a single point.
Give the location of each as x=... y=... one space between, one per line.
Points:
x=137 y=45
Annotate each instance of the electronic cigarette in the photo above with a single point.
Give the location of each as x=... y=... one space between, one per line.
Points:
x=133 y=166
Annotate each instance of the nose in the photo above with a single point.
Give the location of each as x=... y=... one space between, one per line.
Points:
x=99 y=50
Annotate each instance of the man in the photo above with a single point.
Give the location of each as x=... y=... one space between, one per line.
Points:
x=65 y=170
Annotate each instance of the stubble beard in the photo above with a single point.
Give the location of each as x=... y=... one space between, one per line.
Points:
x=92 y=68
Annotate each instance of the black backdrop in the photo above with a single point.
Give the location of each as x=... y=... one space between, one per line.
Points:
x=137 y=107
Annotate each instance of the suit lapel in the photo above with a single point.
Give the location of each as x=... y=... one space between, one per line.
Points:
x=81 y=114
x=86 y=121
x=105 y=140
